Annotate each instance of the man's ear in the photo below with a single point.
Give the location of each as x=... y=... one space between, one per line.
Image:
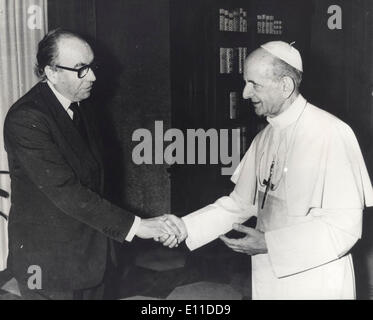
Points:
x=51 y=74
x=288 y=86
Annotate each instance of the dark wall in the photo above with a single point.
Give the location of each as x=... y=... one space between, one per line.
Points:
x=131 y=41
x=74 y=15
x=135 y=34
x=338 y=74
x=341 y=82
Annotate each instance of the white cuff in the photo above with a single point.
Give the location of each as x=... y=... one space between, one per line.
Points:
x=134 y=228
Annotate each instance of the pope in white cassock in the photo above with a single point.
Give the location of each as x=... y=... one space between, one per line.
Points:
x=305 y=180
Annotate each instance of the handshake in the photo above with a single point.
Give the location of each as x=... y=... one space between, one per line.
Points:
x=167 y=229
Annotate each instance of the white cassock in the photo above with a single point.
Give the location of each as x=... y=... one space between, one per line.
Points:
x=312 y=215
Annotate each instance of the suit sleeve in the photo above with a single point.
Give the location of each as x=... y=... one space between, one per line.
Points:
x=28 y=139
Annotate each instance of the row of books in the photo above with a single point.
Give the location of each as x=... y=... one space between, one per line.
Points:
x=234 y=101
x=267 y=24
x=243 y=140
x=232 y=60
x=235 y=20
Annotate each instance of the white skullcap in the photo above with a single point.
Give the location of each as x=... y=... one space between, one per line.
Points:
x=285 y=52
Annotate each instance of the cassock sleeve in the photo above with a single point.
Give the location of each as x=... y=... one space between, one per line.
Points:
x=216 y=219
x=329 y=236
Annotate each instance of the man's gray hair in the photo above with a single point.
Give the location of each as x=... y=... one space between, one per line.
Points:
x=48 y=50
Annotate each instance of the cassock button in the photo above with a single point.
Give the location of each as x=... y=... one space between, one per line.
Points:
x=285 y=170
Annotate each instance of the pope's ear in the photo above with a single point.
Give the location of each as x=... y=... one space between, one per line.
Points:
x=288 y=86
x=51 y=74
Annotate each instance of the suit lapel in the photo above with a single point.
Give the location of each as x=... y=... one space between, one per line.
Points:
x=67 y=128
x=93 y=141
x=91 y=135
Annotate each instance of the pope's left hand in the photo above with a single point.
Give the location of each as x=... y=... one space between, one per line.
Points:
x=253 y=243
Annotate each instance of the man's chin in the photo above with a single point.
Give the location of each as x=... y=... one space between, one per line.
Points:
x=259 y=112
x=85 y=96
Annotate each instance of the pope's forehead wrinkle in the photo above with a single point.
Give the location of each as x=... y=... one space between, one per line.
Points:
x=262 y=68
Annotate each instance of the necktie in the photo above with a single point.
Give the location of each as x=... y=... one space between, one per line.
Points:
x=78 y=121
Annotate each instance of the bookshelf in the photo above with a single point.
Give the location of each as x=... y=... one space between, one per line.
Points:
x=207 y=86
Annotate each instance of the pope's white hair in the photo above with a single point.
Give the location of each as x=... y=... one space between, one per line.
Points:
x=282 y=69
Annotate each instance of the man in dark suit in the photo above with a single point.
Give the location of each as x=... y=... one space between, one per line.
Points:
x=59 y=221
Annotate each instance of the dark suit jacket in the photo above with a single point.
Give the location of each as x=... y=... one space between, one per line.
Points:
x=58 y=219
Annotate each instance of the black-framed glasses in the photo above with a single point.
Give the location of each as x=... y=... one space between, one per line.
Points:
x=83 y=71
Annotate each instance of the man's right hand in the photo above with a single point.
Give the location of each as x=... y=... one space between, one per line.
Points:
x=170 y=241
x=157 y=227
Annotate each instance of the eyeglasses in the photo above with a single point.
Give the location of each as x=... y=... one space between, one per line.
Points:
x=83 y=71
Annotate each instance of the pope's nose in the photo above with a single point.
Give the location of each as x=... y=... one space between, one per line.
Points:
x=248 y=91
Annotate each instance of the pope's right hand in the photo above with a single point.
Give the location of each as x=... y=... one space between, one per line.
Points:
x=172 y=241
x=157 y=227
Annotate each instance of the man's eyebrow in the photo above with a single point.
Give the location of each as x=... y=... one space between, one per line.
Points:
x=81 y=64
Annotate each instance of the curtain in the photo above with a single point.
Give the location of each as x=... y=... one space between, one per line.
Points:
x=23 y=23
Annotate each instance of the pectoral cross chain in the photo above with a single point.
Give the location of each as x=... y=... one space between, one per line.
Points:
x=268 y=183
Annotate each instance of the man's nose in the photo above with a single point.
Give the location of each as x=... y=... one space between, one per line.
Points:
x=91 y=75
x=248 y=91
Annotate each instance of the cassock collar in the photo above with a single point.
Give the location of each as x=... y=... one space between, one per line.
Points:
x=290 y=115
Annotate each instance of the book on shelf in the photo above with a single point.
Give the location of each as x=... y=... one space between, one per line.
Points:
x=271 y=22
x=236 y=20
x=223 y=60
x=259 y=24
x=230 y=23
x=241 y=20
x=244 y=22
x=221 y=19
x=232 y=60
x=233 y=105
x=240 y=60
x=263 y=23
x=226 y=20
x=233 y=20
x=266 y=24
x=243 y=140
x=279 y=30
x=242 y=54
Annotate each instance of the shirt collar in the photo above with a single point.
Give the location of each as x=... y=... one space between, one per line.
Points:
x=290 y=115
x=64 y=101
